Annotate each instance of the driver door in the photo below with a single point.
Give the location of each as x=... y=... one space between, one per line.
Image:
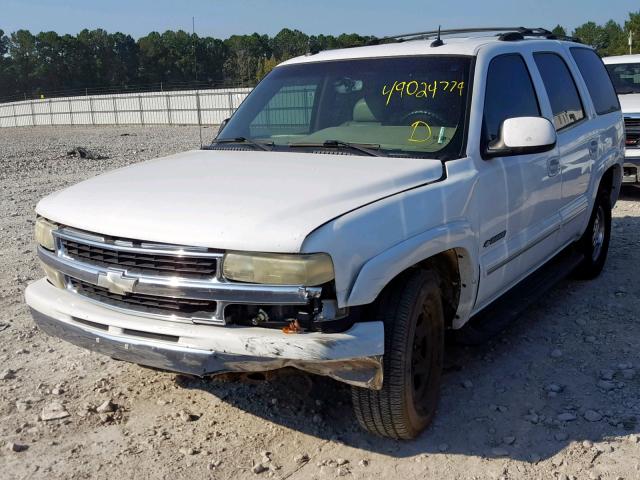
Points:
x=519 y=196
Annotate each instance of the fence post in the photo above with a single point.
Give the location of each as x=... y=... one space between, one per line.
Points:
x=199 y=116
x=93 y=122
x=140 y=107
x=50 y=113
x=15 y=118
x=115 y=110
x=169 y=109
x=33 y=114
x=230 y=104
x=70 y=112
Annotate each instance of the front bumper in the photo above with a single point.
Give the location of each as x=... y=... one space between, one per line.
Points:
x=631 y=167
x=353 y=357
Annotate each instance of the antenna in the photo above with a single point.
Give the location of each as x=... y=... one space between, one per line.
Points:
x=438 y=41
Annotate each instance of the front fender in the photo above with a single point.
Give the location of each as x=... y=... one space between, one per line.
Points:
x=383 y=268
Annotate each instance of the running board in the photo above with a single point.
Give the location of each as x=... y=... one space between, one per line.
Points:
x=497 y=316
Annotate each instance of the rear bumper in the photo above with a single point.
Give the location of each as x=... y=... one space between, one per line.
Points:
x=353 y=357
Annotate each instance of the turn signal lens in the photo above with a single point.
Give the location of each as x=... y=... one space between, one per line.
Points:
x=278 y=269
x=44 y=233
x=54 y=276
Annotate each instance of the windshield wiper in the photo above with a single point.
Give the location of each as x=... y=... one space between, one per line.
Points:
x=266 y=146
x=369 y=149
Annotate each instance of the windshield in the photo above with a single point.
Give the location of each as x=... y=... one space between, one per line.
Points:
x=402 y=106
x=625 y=77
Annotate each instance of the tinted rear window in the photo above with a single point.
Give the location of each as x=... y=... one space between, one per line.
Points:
x=597 y=79
x=561 y=89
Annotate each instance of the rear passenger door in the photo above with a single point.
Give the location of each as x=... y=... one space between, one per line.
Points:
x=606 y=118
x=578 y=144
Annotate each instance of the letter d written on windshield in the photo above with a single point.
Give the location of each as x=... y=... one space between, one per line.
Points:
x=420 y=132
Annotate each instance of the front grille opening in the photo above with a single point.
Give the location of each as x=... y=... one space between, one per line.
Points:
x=99 y=326
x=279 y=316
x=268 y=316
x=152 y=336
x=630 y=171
x=181 y=307
x=142 y=263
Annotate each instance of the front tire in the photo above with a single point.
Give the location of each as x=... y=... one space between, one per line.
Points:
x=594 y=243
x=411 y=309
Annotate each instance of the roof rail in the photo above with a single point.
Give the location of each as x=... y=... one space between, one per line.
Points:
x=503 y=33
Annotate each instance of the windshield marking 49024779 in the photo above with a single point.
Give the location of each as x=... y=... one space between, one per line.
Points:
x=422 y=89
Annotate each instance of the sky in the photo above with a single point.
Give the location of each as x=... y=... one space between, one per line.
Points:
x=222 y=18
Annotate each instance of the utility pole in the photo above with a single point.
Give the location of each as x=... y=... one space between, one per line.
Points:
x=630 y=41
x=193 y=36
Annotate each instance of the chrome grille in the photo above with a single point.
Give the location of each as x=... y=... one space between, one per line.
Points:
x=135 y=260
x=632 y=132
x=169 y=282
x=180 y=307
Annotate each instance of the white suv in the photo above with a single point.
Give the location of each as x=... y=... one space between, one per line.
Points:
x=625 y=74
x=358 y=204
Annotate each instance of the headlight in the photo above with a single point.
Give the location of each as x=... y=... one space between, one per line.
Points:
x=44 y=233
x=278 y=269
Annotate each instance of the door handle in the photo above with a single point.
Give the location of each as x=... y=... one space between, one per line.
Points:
x=553 y=166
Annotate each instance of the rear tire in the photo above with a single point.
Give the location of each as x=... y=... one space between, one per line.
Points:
x=411 y=309
x=594 y=243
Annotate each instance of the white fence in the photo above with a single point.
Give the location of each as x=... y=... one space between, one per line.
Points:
x=190 y=107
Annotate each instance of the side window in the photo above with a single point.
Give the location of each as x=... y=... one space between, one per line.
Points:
x=509 y=94
x=561 y=89
x=287 y=113
x=597 y=79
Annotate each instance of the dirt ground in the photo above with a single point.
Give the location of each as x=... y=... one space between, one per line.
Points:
x=556 y=396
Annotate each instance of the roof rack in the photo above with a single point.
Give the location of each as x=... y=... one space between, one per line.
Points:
x=507 y=34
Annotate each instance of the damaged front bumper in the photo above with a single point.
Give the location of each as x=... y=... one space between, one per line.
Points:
x=353 y=357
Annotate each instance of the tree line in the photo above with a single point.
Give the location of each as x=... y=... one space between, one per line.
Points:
x=45 y=63
x=610 y=38
x=32 y=65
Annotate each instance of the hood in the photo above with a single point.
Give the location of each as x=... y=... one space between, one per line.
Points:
x=240 y=200
x=630 y=103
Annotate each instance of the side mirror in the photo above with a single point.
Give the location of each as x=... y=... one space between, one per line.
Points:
x=221 y=127
x=523 y=136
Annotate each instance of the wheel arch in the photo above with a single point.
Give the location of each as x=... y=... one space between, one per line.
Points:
x=450 y=251
x=608 y=175
x=611 y=181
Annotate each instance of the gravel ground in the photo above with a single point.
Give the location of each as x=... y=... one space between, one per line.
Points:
x=556 y=396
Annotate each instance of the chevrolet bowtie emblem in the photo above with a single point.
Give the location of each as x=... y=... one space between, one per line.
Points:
x=116 y=282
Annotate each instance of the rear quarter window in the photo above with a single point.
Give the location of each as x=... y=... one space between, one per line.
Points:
x=597 y=78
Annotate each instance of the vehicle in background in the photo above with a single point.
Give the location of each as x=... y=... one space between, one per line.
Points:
x=625 y=75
